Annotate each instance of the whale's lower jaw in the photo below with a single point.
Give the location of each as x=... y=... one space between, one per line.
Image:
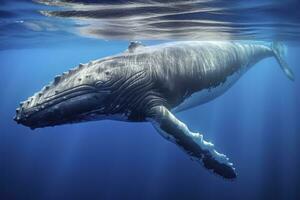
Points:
x=73 y=107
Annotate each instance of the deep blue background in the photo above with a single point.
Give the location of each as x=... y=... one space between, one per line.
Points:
x=256 y=123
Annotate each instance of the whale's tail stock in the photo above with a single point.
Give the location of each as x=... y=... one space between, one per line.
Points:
x=279 y=53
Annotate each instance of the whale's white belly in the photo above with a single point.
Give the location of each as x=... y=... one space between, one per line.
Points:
x=205 y=95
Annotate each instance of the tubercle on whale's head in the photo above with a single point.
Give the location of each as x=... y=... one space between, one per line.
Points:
x=81 y=94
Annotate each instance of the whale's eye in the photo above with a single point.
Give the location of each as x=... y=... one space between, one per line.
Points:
x=107 y=73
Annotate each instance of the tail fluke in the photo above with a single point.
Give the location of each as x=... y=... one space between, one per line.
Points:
x=278 y=49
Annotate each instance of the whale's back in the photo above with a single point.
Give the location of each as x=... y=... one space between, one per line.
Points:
x=192 y=73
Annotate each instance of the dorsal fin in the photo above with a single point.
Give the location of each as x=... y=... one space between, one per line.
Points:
x=134 y=45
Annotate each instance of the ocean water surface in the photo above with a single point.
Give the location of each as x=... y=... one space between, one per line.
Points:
x=255 y=123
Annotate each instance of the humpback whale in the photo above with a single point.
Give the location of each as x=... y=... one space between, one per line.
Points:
x=151 y=83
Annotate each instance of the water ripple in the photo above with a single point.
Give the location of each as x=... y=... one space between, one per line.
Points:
x=150 y=19
x=193 y=19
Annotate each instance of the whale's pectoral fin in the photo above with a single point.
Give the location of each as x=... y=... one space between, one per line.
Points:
x=192 y=143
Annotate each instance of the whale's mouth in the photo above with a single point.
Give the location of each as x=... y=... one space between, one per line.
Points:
x=65 y=107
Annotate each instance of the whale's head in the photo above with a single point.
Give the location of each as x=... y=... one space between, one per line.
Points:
x=84 y=93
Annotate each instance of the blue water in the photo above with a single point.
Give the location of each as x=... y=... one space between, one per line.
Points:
x=256 y=123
